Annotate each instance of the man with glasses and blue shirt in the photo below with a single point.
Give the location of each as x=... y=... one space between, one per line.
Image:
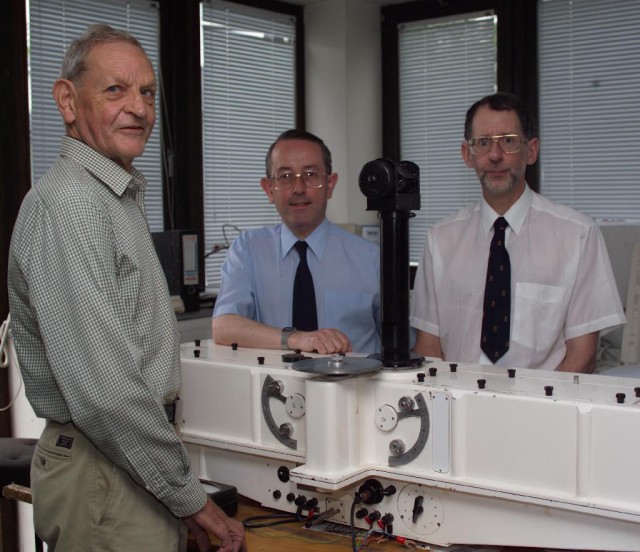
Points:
x=514 y=280
x=305 y=283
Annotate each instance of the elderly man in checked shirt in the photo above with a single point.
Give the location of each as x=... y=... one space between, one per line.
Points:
x=94 y=329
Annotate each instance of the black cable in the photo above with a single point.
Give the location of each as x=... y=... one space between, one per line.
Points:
x=352 y=522
x=277 y=519
x=216 y=248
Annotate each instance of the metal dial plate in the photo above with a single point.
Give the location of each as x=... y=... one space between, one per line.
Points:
x=430 y=520
x=338 y=365
x=271 y=390
x=421 y=411
x=386 y=417
x=295 y=405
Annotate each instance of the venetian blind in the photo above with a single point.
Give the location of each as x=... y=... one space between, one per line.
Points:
x=445 y=65
x=248 y=79
x=53 y=25
x=590 y=106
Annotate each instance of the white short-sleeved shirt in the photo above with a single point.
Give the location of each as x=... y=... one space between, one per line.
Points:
x=562 y=285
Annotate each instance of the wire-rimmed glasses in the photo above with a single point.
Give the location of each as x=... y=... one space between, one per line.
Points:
x=481 y=145
x=310 y=178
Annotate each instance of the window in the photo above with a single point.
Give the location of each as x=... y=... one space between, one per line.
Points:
x=590 y=106
x=445 y=65
x=248 y=80
x=53 y=24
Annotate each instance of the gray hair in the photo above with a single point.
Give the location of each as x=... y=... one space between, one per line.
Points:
x=74 y=63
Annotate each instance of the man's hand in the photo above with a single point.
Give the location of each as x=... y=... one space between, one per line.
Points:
x=211 y=519
x=325 y=341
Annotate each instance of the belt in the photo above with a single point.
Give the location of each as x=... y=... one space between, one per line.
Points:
x=170 y=410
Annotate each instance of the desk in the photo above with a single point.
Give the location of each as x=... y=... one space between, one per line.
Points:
x=294 y=537
x=195 y=325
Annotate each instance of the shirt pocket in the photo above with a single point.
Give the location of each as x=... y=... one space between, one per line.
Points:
x=539 y=315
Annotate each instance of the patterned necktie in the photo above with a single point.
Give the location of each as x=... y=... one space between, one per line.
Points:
x=304 y=316
x=496 y=319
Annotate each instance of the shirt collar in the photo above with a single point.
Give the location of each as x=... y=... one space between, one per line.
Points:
x=515 y=216
x=316 y=241
x=104 y=169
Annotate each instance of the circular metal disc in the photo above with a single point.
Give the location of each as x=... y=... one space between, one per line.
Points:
x=338 y=365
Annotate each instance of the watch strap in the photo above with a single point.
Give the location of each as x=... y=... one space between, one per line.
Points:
x=284 y=337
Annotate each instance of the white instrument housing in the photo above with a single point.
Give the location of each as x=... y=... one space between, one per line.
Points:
x=543 y=459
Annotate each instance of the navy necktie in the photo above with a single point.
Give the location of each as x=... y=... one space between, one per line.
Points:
x=304 y=316
x=496 y=319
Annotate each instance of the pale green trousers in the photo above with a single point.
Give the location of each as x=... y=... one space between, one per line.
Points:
x=82 y=502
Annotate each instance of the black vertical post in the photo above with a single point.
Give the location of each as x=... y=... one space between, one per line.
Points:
x=393 y=189
x=394 y=281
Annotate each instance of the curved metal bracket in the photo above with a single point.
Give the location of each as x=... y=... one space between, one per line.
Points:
x=267 y=392
x=421 y=412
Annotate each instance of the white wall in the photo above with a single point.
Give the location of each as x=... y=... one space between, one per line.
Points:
x=344 y=100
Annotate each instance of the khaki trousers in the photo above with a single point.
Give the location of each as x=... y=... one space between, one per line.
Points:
x=83 y=502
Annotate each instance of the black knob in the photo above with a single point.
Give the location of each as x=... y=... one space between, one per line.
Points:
x=298 y=351
x=196 y=353
x=234 y=346
x=260 y=361
x=481 y=383
x=548 y=390
x=311 y=503
x=371 y=492
x=197 y=342
x=362 y=512
x=285 y=429
x=387 y=519
x=277 y=494
x=620 y=397
x=421 y=376
x=300 y=500
x=511 y=372
x=283 y=474
x=389 y=491
x=637 y=390
x=374 y=516
x=453 y=367
x=291 y=497
x=433 y=371
x=417 y=508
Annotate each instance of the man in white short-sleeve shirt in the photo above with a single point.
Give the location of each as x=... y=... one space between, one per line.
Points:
x=562 y=289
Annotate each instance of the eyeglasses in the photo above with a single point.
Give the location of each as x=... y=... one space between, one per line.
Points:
x=481 y=145
x=310 y=178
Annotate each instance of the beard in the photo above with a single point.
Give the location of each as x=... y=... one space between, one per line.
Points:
x=502 y=186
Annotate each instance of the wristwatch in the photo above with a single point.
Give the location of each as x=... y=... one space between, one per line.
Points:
x=286 y=332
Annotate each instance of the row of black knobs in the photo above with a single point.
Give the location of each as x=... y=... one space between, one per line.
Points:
x=511 y=372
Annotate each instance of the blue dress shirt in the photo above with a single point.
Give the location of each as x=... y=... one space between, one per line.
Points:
x=258 y=274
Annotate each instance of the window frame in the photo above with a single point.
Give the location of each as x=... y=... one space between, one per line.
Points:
x=517 y=50
x=182 y=113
